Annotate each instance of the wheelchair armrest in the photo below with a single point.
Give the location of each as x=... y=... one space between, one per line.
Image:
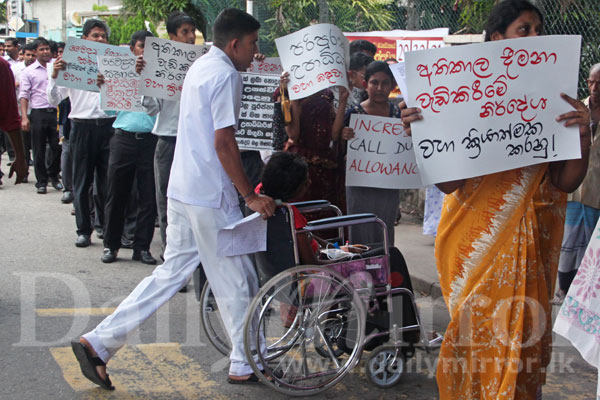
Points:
x=339 y=222
x=311 y=206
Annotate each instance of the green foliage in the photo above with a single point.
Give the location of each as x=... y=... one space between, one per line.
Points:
x=3 y=11
x=123 y=26
x=97 y=7
x=474 y=14
x=212 y=8
x=158 y=10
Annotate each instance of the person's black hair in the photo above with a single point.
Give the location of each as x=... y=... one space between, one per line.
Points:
x=283 y=175
x=60 y=45
x=362 y=45
x=94 y=23
x=359 y=60
x=505 y=13
x=176 y=19
x=233 y=23
x=39 y=42
x=53 y=46
x=378 y=66
x=14 y=41
x=139 y=36
x=29 y=47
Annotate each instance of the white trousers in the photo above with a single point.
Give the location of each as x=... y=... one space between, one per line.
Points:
x=191 y=239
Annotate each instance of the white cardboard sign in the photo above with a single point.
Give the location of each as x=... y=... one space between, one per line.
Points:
x=81 y=57
x=121 y=88
x=381 y=154
x=167 y=63
x=491 y=107
x=269 y=66
x=316 y=59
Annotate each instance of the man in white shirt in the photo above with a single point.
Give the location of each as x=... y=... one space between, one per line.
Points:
x=207 y=170
x=11 y=46
x=91 y=131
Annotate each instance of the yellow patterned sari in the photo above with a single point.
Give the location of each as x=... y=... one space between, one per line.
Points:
x=497 y=255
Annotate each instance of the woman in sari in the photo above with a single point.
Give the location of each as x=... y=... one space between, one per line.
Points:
x=497 y=251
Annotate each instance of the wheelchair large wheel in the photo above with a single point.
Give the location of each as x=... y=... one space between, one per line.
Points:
x=385 y=366
x=212 y=323
x=291 y=317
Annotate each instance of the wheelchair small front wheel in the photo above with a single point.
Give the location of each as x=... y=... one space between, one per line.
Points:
x=385 y=366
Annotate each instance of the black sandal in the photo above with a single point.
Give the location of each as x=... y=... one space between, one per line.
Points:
x=88 y=365
x=251 y=379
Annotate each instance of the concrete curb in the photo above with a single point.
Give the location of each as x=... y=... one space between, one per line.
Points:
x=431 y=289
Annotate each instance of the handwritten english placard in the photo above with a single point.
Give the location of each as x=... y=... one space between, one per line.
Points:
x=269 y=66
x=121 y=88
x=491 y=107
x=255 y=126
x=316 y=59
x=81 y=57
x=167 y=63
x=381 y=154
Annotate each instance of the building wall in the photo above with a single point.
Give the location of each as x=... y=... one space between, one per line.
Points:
x=48 y=12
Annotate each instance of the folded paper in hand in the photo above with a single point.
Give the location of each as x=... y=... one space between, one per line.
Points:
x=246 y=236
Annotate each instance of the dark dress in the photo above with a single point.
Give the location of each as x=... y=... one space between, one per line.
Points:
x=314 y=143
x=382 y=202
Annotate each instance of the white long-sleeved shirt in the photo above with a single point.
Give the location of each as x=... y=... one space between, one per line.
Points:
x=84 y=104
x=167 y=112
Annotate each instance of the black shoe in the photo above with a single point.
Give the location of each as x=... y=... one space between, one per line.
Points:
x=100 y=234
x=56 y=184
x=184 y=289
x=67 y=197
x=143 y=256
x=26 y=179
x=126 y=243
x=83 y=241
x=109 y=256
x=42 y=190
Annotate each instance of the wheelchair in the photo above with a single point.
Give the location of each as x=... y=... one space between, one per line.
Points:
x=313 y=323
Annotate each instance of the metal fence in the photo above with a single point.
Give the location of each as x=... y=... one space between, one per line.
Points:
x=279 y=17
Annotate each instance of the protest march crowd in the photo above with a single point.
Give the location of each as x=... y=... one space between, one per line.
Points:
x=165 y=149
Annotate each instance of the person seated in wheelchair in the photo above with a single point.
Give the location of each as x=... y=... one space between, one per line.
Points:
x=286 y=178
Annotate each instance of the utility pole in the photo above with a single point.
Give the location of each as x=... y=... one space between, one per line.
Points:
x=250 y=7
x=63 y=4
x=323 y=11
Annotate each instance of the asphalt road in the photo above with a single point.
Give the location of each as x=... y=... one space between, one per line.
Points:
x=52 y=292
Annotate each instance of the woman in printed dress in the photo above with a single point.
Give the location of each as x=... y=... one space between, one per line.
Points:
x=497 y=251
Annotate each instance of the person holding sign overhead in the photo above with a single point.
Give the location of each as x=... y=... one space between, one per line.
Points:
x=91 y=131
x=206 y=171
x=497 y=252
x=311 y=132
x=181 y=28
x=131 y=154
x=378 y=82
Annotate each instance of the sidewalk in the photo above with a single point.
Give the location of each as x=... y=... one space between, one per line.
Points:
x=417 y=250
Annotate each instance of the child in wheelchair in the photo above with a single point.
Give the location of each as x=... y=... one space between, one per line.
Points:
x=285 y=178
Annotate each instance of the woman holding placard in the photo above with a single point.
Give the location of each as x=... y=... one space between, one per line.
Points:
x=310 y=134
x=497 y=253
x=378 y=82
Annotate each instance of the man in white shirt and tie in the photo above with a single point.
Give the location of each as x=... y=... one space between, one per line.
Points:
x=207 y=170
